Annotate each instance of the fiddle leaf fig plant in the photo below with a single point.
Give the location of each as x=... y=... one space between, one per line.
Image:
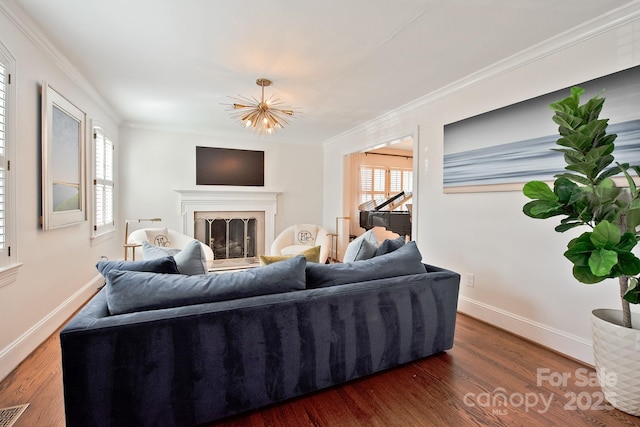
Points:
x=586 y=195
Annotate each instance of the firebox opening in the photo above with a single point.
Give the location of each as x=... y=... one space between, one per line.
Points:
x=234 y=237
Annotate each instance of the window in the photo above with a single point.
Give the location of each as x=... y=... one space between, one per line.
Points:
x=400 y=180
x=372 y=183
x=8 y=250
x=103 y=184
x=380 y=183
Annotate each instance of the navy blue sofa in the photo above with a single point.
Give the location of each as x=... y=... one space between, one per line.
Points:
x=197 y=362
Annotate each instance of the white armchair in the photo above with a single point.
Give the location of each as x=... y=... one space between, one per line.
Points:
x=290 y=242
x=176 y=240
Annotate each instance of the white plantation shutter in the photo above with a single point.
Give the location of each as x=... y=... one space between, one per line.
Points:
x=9 y=262
x=400 y=179
x=379 y=183
x=372 y=183
x=103 y=182
x=395 y=181
x=407 y=181
x=3 y=158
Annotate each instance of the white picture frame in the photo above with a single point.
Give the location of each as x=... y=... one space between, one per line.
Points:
x=63 y=161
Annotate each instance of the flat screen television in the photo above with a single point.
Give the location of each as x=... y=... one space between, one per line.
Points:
x=227 y=166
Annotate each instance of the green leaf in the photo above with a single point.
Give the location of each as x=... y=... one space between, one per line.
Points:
x=605 y=234
x=603 y=162
x=579 y=253
x=541 y=209
x=570 y=155
x=573 y=177
x=628 y=264
x=584 y=168
x=594 y=128
x=608 y=174
x=607 y=139
x=602 y=261
x=630 y=181
x=566 y=122
x=607 y=191
x=568 y=226
x=577 y=141
x=584 y=275
x=539 y=190
x=564 y=189
x=633 y=219
x=632 y=294
x=627 y=242
x=604 y=150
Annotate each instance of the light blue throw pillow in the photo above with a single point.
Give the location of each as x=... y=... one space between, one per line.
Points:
x=190 y=259
x=401 y=262
x=131 y=291
x=362 y=247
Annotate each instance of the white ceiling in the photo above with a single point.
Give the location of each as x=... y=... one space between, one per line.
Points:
x=171 y=64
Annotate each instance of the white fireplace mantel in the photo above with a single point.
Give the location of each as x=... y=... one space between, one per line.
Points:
x=241 y=199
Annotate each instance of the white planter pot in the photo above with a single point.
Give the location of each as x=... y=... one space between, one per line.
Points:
x=617 y=357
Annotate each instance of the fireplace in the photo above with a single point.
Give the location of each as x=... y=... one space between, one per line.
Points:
x=238 y=224
x=232 y=236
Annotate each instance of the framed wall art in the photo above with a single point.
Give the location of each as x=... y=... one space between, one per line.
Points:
x=63 y=161
x=502 y=149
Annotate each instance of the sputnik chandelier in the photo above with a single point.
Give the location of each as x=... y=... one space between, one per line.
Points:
x=264 y=116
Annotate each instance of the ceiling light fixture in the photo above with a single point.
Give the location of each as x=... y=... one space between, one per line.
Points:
x=265 y=116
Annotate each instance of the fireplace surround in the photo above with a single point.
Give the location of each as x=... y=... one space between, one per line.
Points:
x=205 y=212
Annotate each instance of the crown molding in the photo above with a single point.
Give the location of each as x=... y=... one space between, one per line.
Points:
x=576 y=35
x=31 y=30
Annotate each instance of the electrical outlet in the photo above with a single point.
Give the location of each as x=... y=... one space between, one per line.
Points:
x=469 y=279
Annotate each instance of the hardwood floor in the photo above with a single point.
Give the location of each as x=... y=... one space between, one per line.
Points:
x=490 y=377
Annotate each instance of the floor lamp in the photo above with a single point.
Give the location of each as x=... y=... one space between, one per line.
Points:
x=133 y=246
x=340 y=239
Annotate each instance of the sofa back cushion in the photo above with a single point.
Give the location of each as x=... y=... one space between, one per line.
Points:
x=401 y=262
x=131 y=291
x=165 y=264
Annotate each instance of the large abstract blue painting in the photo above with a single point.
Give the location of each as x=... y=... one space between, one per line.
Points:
x=498 y=150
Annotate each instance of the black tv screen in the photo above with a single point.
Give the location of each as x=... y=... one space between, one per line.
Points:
x=227 y=166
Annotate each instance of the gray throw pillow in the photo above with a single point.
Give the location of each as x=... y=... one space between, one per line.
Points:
x=404 y=261
x=131 y=291
x=190 y=259
x=390 y=245
x=362 y=247
x=166 y=265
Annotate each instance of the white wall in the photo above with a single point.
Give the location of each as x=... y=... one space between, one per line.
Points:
x=58 y=273
x=156 y=163
x=522 y=281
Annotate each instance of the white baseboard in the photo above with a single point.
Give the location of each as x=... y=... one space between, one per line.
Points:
x=555 y=339
x=13 y=354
